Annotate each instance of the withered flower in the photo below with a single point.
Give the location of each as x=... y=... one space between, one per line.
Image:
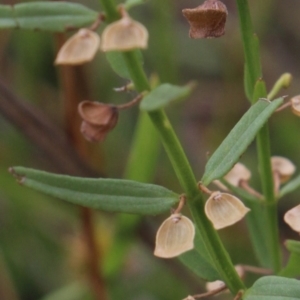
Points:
x=98 y=119
x=207 y=20
x=174 y=237
x=124 y=35
x=79 y=48
x=292 y=218
x=224 y=209
x=295 y=101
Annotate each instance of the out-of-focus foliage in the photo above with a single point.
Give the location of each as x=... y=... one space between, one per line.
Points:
x=41 y=248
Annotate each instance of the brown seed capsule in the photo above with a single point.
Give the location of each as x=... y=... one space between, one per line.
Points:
x=237 y=173
x=98 y=119
x=174 y=237
x=296 y=105
x=124 y=35
x=224 y=209
x=292 y=218
x=79 y=49
x=283 y=166
x=207 y=20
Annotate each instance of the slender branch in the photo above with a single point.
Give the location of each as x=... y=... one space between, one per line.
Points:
x=43 y=133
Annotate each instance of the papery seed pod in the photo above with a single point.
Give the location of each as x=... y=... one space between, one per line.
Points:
x=207 y=20
x=98 y=119
x=174 y=237
x=124 y=35
x=211 y=286
x=237 y=173
x=296 y=105
x=224 y=209
x=79 y=48
x=292 y=218
x=283 y=166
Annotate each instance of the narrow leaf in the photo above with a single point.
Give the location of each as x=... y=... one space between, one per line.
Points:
x=52 y=16
x=199 y=260
x=291 y=186
x=292 y=267
x=238 y=139
x=274 y=288
x=163 y=95
x=107 y=194
x=7 y=19
x=118 y=64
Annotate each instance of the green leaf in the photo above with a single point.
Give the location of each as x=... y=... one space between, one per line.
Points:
x=199 y=261
x=52 y=16
x=239 y=138
x=292 y=267
x=163 y=95
x=7 y=19
x=291 y=186
x=107 y=194
x=274 y=288
x=131 y=3
x=118 y=64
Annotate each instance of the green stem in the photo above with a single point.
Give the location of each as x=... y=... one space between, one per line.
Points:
x=257 y=86
x=186 y=179
x=250 y=44
x=111 y=10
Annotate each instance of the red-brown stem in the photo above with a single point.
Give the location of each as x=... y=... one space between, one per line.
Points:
x=284 y=106
x=239 y=295
x=204 y=189
x=181 y=204
x=75 y=90
x=131 y=103
x=93 y=254
x=245 y=185
x=256 y=270
x=208 y=294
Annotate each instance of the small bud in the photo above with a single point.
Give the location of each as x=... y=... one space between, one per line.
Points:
x=224 y=209
x=283 y=166
x=292 y=218
x=79 y=48
x=123 y=35
x=237 y=173
x=207 y=20
x=174 y=237
x=296 y=105
x=98 y=120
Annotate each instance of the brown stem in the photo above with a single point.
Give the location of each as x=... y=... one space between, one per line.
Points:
x=256 y=270
x=277 y=182
x=76 y=89
x=245 y=185
x=181 y=204
x=239 y=295
x=93 y=257
x=131 y=103
x=97 y=23
x=208 y=294
x=284 y=106
x=204 y=189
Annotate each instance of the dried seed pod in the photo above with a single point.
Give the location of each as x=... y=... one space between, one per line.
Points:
x=283 y=166
x=98 y=119
x=79 y=48
x=207 y=20
x=292 y=218
x=174 y=237
x=296 y=105
x=224 y=209
x=237 y=173
x=123 y=35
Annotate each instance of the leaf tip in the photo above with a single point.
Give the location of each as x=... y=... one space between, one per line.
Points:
x=20 y=179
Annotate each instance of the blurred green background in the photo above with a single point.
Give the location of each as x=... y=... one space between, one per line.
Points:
x=42 y=253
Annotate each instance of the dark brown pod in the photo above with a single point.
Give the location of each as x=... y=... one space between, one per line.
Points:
x=98 y=120
x=207 y=20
